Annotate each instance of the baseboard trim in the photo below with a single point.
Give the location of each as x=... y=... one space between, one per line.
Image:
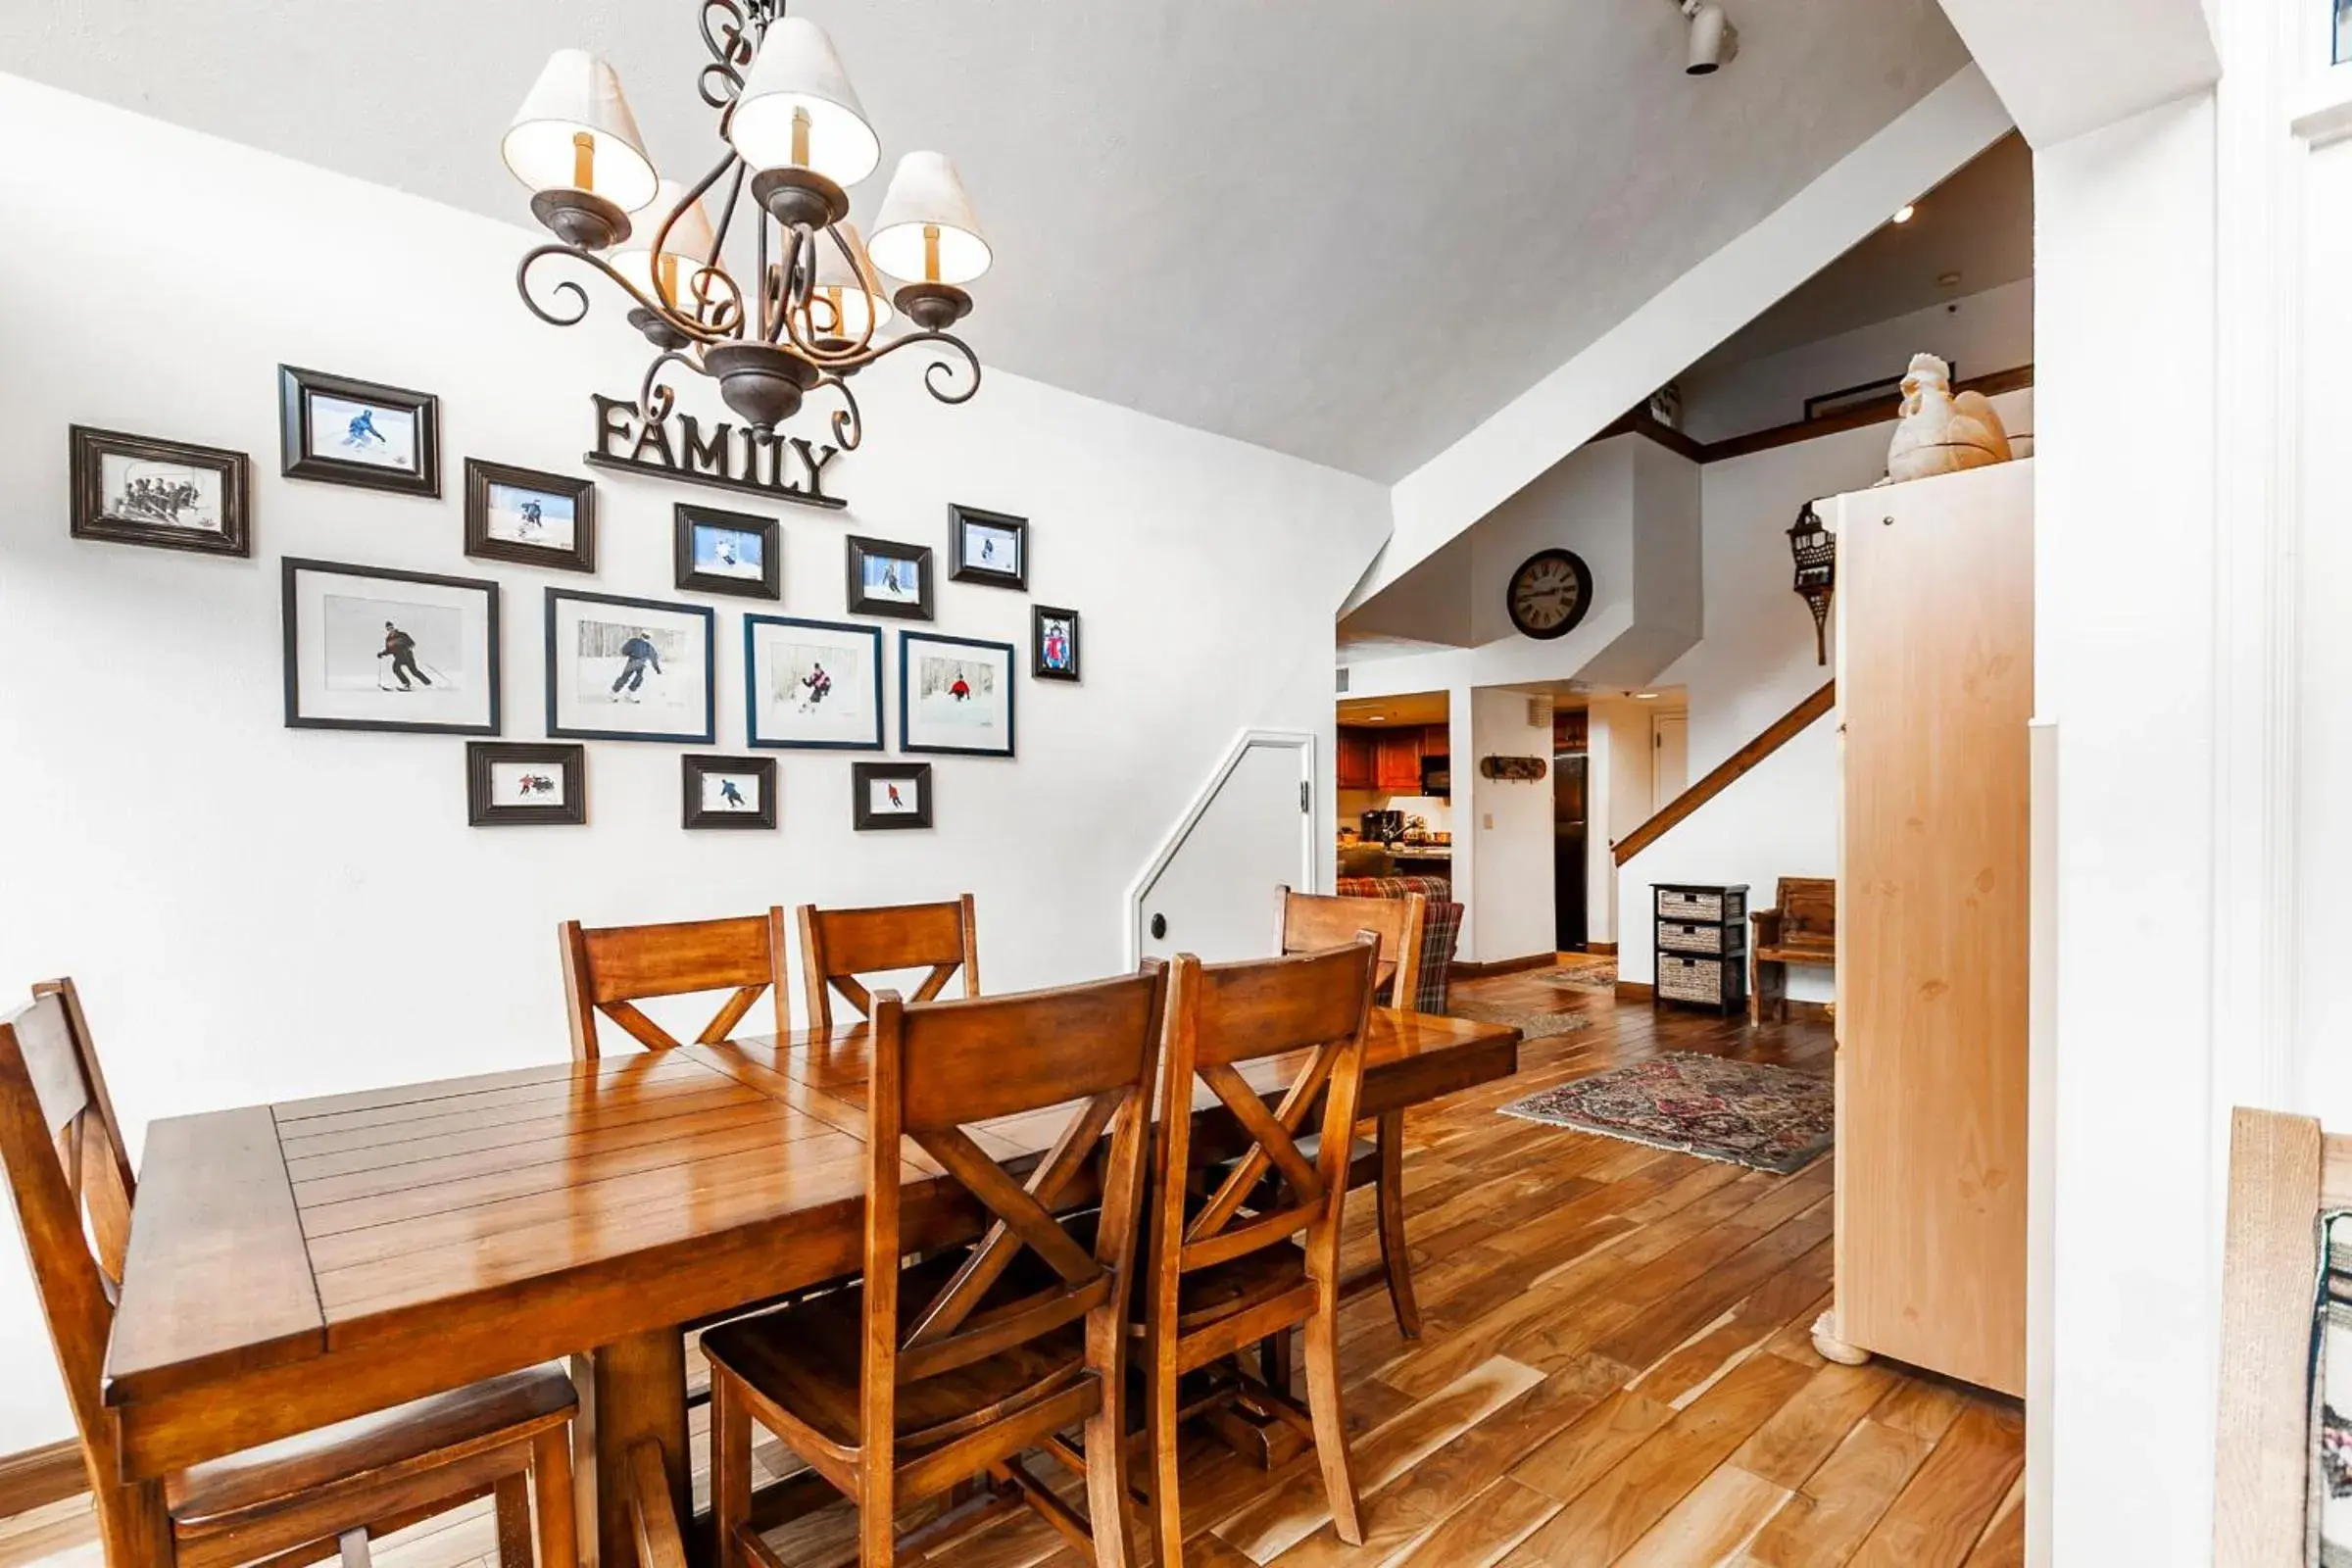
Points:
x=1634 y=991
x=38 y=1477
x=1601 y=949
x=1458 y=971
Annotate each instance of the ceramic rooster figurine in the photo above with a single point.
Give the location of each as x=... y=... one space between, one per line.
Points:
x=1941 y=433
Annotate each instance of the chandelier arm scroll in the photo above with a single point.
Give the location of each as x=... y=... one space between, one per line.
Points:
x=854 y=354
x=569 y=290
x=945 y=390
x=712 y=313
x=653 y=400
x=848 y=423
x=731 y=46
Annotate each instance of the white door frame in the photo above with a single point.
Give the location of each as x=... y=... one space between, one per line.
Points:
x=1310 y=861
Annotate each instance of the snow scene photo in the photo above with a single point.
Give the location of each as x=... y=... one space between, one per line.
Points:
x=898 y=581
x=813 y=680
x=957 y=693
x=727 y=551
x=372 y=433
x=520 y=514
x=893 y=797
x=526 y=784
x=997 y=549
x=730 y=791
x=391 y=645
x=171 y=495
x=626 y=663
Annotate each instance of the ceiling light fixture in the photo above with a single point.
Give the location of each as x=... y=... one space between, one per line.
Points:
x=1645 y=697
x=1714 y=41
x=1907 y=212
x=807 y=313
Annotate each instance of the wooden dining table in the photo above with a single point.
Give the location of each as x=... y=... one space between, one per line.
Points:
x=297 y=1264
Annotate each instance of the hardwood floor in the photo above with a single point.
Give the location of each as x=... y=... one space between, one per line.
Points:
x=1615 y=1368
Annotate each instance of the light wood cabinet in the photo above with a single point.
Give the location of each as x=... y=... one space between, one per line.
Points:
x=1936 y=685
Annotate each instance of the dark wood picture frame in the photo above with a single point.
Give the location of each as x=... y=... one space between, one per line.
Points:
x=481 y=812
x=294 y=388
x=480 y=476
x=858 y=549
x=752 y=735
x=864 y=775
x=88 y=450
x=290 y=571
x=687 y=516
x=1039 y=670
x=694 y=814
x=906 y=639
x=966 y=568
x=710 y=618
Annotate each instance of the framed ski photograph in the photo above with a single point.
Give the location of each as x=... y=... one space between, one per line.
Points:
x=954 y=695
x=135 y=491
x=517 y=784
x=367 y=648
x=730 y=791
x=530 y=517
x=889 y=578
x=1052 y=643
x=629 y=669
x=987 y=547
x=813 y=683
x=342 y=431
x=890 y=794
x=728 y=553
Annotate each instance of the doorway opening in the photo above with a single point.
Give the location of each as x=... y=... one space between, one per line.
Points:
x=1394 y=786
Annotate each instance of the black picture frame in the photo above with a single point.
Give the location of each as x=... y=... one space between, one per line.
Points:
x=482 y=812
x=695 y=816
x=755 y=736
x=704 y=612
x=1039 y=670
x=865 y=775
x=906 y=742
x=859 y=550
x=88 y=450
x=290 y=572
x=481 y=475
x=968 y=567
x=296 y=387
x=687 y=516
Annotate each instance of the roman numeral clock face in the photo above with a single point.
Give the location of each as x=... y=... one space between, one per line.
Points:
x=1550 y=593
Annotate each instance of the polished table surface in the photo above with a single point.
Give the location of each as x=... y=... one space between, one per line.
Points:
x=298 y=1264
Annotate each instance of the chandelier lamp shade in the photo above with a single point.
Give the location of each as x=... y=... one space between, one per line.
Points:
x=781 y=296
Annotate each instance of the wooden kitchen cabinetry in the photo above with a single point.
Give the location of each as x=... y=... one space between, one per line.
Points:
x=1397 y=763
x=1356 y=757
x=1388 y=757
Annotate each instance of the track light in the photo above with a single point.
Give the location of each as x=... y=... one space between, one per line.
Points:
x=1714 y=41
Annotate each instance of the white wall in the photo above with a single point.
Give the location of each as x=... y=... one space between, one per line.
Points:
x=1991 y=329
x=256 y=912
x=1511 y=828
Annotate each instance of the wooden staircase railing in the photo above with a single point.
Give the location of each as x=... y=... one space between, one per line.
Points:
x=1780 y=733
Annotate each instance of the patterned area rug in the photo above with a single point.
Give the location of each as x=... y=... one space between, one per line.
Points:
x=1583 y=971
x=1748 y=1112
x=1533 y=1025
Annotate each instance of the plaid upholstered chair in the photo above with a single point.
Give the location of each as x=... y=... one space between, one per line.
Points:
x=1441 y=928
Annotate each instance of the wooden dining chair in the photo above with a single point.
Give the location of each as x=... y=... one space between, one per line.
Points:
x=613 y=969
x=1228 y=1270
x=300 y=1500
x=1314 y=921
x=916 y=1380
x=840 y=946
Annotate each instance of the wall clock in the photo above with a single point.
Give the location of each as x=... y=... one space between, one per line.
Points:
x=1549 y=593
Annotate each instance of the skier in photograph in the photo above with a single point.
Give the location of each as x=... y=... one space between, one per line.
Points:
x=726 y=553
x=732 y=797
x=890 y=578
x=531 y=517
x=401 y=648
x=639 y=654
x=896 y=803
x=815 y=687
x=960 y=691
x=362 y=430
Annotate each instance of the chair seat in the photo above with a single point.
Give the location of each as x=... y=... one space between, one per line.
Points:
x=222 y=1493
x=1800 y=953
x=804 y=1358
x=1210 y=1294
x=1363 y=1161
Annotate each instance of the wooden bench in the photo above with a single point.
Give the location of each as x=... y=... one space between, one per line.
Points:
x=1801 y=928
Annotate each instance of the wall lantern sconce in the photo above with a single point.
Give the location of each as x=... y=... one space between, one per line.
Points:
x=1816 y=551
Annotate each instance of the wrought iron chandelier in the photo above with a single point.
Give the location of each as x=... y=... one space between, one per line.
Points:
x=797 y=140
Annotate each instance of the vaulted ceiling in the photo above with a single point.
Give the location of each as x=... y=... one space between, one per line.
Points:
x=1345 y=229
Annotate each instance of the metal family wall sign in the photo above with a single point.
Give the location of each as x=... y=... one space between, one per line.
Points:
x=681 y=447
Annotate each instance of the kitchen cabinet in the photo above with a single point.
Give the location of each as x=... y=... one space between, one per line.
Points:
x=1436 y=740
x=1396 y=761
x=1356 y=748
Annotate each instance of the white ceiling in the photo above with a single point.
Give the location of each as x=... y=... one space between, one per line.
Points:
x=1347 y=229
x=1979 y=223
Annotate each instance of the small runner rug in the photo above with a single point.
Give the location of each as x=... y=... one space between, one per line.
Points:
x=1748 y=1112
x=1531 y=1025
x=1583 y=971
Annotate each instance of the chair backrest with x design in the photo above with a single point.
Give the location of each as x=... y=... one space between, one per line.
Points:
x=1222 y=1016
x=70 y=1178
x=613 y=969
x=942 y=1067
x=1313 y=921
x=838 y=946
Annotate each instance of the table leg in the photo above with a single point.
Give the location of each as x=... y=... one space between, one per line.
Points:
x=630 y=1390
